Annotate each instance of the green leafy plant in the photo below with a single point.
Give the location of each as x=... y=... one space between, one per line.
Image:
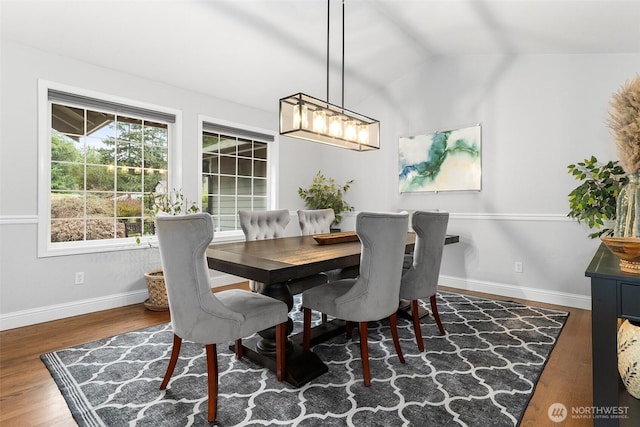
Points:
x=594 y=201
x=172 y=203
x=325 y=193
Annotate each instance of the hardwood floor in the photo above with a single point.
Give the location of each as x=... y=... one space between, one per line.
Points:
x=29 y=396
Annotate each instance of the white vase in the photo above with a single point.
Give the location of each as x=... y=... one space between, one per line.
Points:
x=629 y=356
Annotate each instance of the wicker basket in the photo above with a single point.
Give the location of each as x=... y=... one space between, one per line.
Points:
x=629 y=357
x=158 y=300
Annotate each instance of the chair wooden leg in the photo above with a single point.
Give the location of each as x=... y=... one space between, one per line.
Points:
x=175 y=352
x=239 y=348
x=436 y=315
x=212 y=374
x=281 y=336
x=364 y=354
x=416 y=324
x=306 y=328
x=393 y=320
x=348 y=327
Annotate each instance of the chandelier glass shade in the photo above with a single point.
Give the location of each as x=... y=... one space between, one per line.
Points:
x=305 y=117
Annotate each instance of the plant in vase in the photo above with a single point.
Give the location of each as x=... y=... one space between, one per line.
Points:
x=171 y=203
x=624 y=121
x=324 y=193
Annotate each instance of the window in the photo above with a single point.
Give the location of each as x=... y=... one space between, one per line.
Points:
x=105 y=162
x=235 y=172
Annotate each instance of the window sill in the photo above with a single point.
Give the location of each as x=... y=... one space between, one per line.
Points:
x=150 y=242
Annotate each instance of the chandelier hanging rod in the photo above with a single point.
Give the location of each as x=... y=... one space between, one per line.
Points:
x=342 y=54
x=328 y=44
x=328 y=48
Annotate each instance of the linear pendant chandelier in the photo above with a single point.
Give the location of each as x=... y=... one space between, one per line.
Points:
x=305 y=117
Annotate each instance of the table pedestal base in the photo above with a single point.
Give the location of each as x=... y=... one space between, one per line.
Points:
x=301 y=366
x=322 y=332
x=404 y=310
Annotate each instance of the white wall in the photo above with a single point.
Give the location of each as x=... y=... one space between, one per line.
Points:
x=36 y=289
x=539 y=113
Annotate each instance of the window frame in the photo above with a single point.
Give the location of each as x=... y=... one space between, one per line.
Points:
x=46 y=248
x=272 y=168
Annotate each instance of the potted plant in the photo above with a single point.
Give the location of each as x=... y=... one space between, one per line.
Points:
x=324 y=193
x=594 y=200
x=172 y=203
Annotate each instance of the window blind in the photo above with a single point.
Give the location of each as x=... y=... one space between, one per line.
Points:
x=240 y=133
x=109 y=106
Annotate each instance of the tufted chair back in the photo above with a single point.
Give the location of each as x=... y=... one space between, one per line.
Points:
x=315 y=221
x=261 y=225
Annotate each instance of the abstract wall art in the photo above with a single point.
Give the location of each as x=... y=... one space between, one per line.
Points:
x=444 y=160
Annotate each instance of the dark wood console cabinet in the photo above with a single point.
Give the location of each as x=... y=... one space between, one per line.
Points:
x=614 y=295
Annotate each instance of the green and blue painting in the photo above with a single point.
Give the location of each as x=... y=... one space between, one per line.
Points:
x=440 y=161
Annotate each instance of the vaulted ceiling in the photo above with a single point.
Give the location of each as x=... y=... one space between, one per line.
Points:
x=257 y=51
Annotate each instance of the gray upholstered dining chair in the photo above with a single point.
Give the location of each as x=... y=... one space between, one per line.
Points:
x=318 y=221
x=315 y=221
x=374 y=294
x=199 y=315
x=260 y=225
x=420 y=274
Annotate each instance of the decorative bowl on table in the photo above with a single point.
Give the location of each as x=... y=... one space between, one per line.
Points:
x=627 y=249
x=332 y=238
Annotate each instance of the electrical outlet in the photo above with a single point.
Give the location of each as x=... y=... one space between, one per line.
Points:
x=79 y=277
x=517 y=267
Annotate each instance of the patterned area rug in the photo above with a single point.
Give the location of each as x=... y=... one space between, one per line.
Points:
x=482 y=372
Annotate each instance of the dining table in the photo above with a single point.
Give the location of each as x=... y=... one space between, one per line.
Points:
x=277 y=262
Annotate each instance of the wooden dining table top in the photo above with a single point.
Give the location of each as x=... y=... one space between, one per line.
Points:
x=278 y=260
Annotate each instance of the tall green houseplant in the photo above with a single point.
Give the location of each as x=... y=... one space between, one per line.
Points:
x=594 y=200
x=325 y=193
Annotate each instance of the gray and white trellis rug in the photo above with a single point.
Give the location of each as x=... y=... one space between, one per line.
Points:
x=482 y=372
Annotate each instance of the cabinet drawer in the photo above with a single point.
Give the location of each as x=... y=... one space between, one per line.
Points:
x=629 y=300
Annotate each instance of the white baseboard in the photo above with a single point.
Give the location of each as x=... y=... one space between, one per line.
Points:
x=59 y=311
x=532 y=294
x=48 y=313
